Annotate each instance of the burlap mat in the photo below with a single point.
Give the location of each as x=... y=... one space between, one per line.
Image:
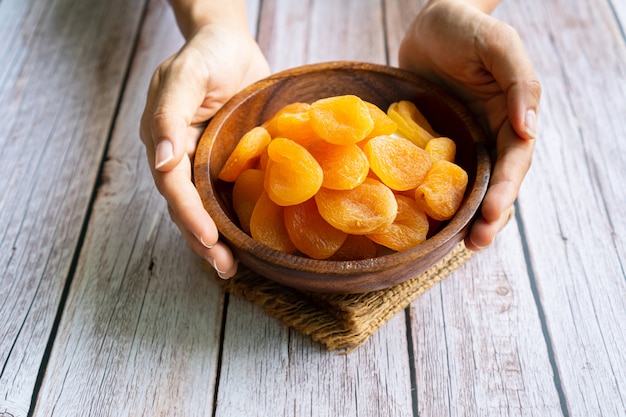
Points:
x=339 y=321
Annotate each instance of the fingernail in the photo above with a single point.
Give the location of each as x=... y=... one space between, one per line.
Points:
x=164 y=153
x=531 y=123
x=479 y=247
x=204 y=243
x=220 y=274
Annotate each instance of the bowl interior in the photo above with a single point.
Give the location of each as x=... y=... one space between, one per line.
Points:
x=381 y=86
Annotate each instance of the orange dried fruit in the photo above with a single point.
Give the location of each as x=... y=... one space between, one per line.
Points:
x=411 y=122
x=341 y=120
x=294 y=123
x=246 y=192
x=271 y=125
x=441 y=148
x=364 y=209
x=245 y=154
x=310 y=233
x=409 y=228
x=383 y=124
x=397 y=161
x=267 y=225
x=354 y=248
x=344 y=166
x=292 y=174
x=441 y=193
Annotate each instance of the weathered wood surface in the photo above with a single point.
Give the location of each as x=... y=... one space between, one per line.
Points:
x=140 y=333
x=63 y=69
x=534 y=326
x=572 y=205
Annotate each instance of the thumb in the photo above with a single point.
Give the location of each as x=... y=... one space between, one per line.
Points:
x=178 y=97
x=510 y=66
x=523 y=104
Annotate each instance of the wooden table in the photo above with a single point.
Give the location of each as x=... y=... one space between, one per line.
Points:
x=104 y=311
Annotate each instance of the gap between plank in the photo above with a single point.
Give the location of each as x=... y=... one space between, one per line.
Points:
x=220 y=353
x=83 y=231
x=542 y=316
x=411 y=354
x=385 y=28
x=617 y=20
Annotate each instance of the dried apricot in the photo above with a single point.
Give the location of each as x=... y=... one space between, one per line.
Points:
x=245 y=154
x=271 y=125
x=441 y=148
x=292 y=175
x=267 y=225
x=295 y=124
x=359 y=211
x=398 y=163
x=409 y=228
x=246 y=192
x=354 y=248
x=341 y=120
x=310 y=233
x=411 y=122
x=344 y=166
x=383 y=124
x=441 y=193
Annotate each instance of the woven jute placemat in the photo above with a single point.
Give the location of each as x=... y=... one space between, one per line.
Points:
x=338 y=321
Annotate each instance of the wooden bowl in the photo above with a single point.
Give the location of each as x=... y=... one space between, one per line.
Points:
x=377 y=84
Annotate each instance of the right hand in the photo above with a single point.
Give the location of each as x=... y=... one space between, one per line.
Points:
x=483 y=62
x=186 y=90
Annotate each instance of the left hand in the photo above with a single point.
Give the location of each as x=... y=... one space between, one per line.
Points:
x=483 y=62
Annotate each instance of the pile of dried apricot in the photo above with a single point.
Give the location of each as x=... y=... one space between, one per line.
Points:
x=340 y=178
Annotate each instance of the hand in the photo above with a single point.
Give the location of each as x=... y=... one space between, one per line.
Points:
x=185 y=91
x=483 y=62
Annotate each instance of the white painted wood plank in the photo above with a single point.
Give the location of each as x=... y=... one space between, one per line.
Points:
x=478 y=346
x=62 y=66
x=140 y=333
x=572 y=204
x=268 y=369
x=297 y=33
x=618 y=8
x=399 y=15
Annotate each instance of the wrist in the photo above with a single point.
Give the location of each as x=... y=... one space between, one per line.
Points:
x=191 y=15
x=485 y=6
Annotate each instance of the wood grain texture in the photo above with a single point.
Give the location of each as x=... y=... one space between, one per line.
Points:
x=297 y=33
x=140 y=330
x=270 y=370
x=63 y=66
x=477 y=343
x=479 y=349
x=572 y=203
x=534 y=326
x=259 y=352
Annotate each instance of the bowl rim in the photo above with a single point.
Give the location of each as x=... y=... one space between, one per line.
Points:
x=239 y=240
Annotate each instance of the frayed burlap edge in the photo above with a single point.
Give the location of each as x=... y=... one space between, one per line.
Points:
x=338 y=321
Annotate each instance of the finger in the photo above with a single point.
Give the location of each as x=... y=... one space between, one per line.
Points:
x=505 y=57
x=219 y=256
x=512 y=163
x=221 y=259
x=513 y=160
x=181 y=90
x=185 y=203
x=482 y=233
